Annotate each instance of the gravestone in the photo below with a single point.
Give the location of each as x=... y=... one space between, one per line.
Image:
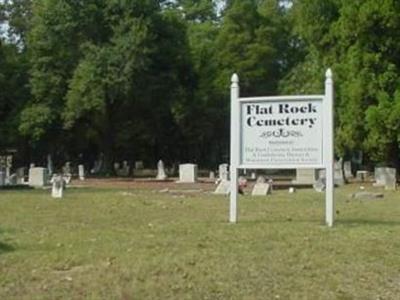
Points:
x=188 y=173
x=212 y=175
x=49 y=165
x=20 y=175
x=306 y=176
x=161 y=175
x=362 y=175
x=81 y=172
x=2 y=177
x=223 y=172
x=67 y=168
x=261 y=179
x=58 y=184
x=261 y=189
x=253 y=176
x=223 y=188
x=12 y=179
x=338 y=173
x=31 y=165
x=320 y=185
x=38 y=177
x=125 y=168
x=385 y=177
x=347 y=169
x=139 y=165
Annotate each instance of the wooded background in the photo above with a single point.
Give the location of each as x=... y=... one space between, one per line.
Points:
x=147 y=79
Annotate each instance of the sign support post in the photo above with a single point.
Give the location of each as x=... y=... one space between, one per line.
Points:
x=234 y=157
x=328 y=149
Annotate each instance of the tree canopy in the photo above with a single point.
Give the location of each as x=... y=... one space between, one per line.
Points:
x=149 y=79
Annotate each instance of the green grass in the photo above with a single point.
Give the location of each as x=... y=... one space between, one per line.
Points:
x=138 y=244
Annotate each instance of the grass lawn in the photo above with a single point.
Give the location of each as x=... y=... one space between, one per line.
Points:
x=140 y=244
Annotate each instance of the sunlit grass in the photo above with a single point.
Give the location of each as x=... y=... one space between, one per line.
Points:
x=141 y=244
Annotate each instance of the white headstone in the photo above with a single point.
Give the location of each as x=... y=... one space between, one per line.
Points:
x=2 y=178
x=261 y=179
x=338 y=173
x=20 y=175
x=161 y=171
x=223 y=188
x=385 y=177
x=320 y=185
x=49 y=165
x=139 y=165
x=306 y=176
x=81 y=172
x=347 y=169
x=188 y=173
x=223 y=172
x=38 y=177
x=212 y=175
x=253 y=175
x=58 y=184
x=12 y=179
x=362 y=175
x=261 y=189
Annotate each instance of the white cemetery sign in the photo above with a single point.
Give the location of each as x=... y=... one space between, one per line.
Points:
x=282 y=132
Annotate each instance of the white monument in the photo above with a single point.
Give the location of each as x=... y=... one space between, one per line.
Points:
x=223 y=172
x=282 y=132
x=385 y=177
x=38 y=177
x=161 y=175
x=58 y=185
x=2 y=177
x=188 y=173
x=81 y=172
x=261 y=189
x=223 y=188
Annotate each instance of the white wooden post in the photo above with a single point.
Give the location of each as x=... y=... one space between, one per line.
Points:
x=234 y=159
x=328 y=149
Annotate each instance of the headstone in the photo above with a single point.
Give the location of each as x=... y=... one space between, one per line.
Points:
x=320 y=185
x=292 y=190
x=212 y=175
x=38 y=177
x=12 y=179
x=67 y=168
x=306 y=176
x=362 y=175
x=2 y=177
x=139 y=165
x=125 y=168
x=161 y=171
x=20 y=175
x=338 y=173
x=385 y=177
x=223 y=172
x=261 y=189
x=347 y=169
x=261 y=179
x=31 y=165
x=188 y=173
x=253 y=176
x=81 y=172
x=223 y=188
x=116 y=167
x=49 y=165
x=98 y=164
x=58 y=185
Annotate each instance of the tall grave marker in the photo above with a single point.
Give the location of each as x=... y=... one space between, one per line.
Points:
x=282 y=132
